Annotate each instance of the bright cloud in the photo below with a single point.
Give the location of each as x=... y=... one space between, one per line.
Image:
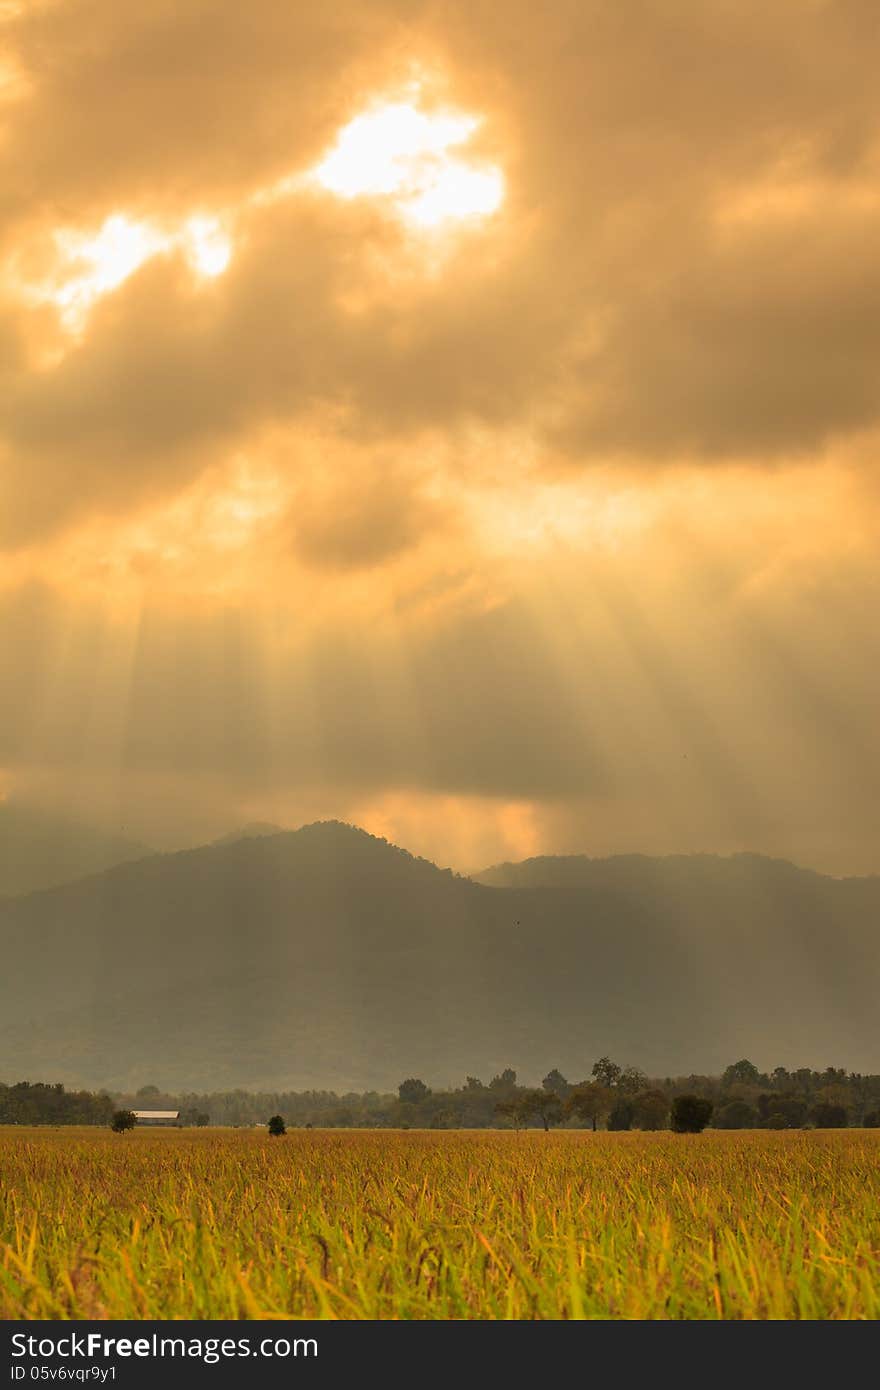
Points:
x=402 y=151
x=92 y=264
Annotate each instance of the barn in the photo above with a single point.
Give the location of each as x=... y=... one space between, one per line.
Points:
x=157 y=1117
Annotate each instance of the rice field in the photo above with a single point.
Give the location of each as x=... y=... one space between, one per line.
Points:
x=381 y=1224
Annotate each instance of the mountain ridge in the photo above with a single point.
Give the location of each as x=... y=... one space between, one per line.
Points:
x=508 y=873
x=328 y=957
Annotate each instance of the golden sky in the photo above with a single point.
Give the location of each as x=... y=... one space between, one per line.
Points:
x=460 y=418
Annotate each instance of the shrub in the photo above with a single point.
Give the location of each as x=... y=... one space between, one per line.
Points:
x=122 y=1120
x=690 y=1114
x=276 y=1126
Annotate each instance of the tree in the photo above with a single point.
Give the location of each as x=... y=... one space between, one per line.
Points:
x=590 y=1101
x=606 y=1072
x=781 y=1112
x=505 y=1081
x=195 y=1117
x=554 y=1081
x=527 y=1105
x=690 y=1114
x=412 y=1090
x=122 y=1120
x=276 y=1126
x=631 y=1080
x=737 y=1114
x=775 y=1120
x=512 y=1109
x=621 y=1117
x=651 y=1109
x=872 y=1119
x=473 y=1083
x=545 y=1104
x=825 y=1115
x=831 y=1075
x=743 y=1073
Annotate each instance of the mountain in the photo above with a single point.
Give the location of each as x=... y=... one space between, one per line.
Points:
x=627 y=870
x=325 y=957
x=254 y=830
x=39 y=849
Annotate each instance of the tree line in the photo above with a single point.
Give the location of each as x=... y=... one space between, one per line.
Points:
x=611 y=1097
x=39 y=1103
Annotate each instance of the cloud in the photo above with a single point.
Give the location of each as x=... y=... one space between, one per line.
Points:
x=354 y=527
x=610 y=310
x=679 y=688
x=497 y=514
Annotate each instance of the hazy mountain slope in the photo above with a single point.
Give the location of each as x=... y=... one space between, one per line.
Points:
x=325 y=957
x=254 y=830
x=39 y=850
x=631 y=870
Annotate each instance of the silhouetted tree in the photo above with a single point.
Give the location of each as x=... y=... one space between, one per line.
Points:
x=737 y=1114
x=195 y=1117
x=606 y=1072
x=781 y=1112
x=631 y=1080
x=828 y=1116
x=690 y=1114
x=276 y=1126
x=529 y=1105
x=775 y=1120
x=504 y=1081
x=621 y=1117
x=651 y=1109
x=554 y=1081
x=511 y=1109
x=743 y=1073
x=872 y=1119
x=412 y=1090
x=545 y=1104
x=590 y=1101
x=122 y=1120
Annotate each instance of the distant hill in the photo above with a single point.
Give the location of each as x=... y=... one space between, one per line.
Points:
x=325 y=957
x=254 y=830
x=39 y=849
x=628 y=870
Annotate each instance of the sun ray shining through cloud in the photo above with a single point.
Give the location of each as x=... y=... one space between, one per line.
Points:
x=512 y=378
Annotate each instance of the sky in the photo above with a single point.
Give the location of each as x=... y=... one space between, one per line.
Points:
x=461 y=419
